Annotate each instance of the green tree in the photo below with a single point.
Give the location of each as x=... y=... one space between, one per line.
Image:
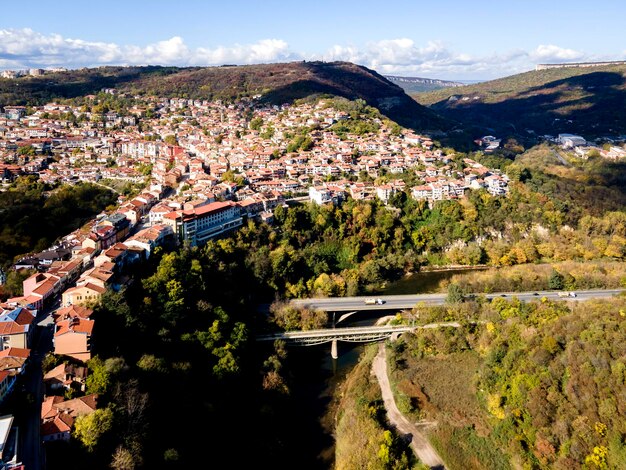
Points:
x=171 y=140
x=455 y=293
x=28 y=150
x=99 y=378
x=14 y=283
x=256 y=123
x=556 y=280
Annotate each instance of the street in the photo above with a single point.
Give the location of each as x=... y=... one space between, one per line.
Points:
x=400 y=302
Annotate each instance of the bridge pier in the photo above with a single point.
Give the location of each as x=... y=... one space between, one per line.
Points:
x=334 y=353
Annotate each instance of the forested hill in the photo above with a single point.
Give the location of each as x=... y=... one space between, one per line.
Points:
x=278 y=83
x=589 y=101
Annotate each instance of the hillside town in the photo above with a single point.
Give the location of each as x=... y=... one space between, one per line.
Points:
x=185 y=171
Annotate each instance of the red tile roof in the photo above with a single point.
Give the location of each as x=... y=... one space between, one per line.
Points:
x=15 y=352
x=74 y=325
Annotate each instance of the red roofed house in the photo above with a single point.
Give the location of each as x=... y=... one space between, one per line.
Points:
x=58 y=415
x=12 y=363
x=15 y=328
x=72 y=338
x=14 y=360
x=72 y=311
x=38 y=288
x=80 y=295
x=66 y=376
x=149 y=238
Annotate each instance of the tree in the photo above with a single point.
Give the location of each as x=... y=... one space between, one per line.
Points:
x=14 y=283
x=556 y=280
x=171 y=139
x=455 y=293
x=256 y=123
x=88 y=429
x=99 y=377
x=123 y=459
x=26 y=150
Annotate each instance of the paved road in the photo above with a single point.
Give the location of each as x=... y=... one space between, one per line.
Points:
x=400 y=302
x=31 y=451
x=419 y=443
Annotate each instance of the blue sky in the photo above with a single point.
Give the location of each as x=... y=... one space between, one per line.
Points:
x=450 y=39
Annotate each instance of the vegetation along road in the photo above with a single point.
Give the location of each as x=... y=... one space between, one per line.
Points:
x=419 y=443
x=390 y=302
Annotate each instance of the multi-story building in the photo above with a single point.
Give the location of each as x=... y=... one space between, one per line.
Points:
x=202 y=223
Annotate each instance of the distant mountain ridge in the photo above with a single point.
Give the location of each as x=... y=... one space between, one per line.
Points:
x=582 y=100
x=419 y=85
x=277 y=83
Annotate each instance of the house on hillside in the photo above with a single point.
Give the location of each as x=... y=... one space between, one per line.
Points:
x=16 y=329
x=81 y=295
x=72 y=338
x=14 y=360
x=58 y=415
x=66 y=377
x=38 y=288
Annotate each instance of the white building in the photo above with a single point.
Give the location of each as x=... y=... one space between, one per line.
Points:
x=571 y=140
x=320 y=195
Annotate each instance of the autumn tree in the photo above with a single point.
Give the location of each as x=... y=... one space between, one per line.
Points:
x=89 y=428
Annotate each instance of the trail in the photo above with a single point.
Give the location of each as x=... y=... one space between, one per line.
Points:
x=419 y=443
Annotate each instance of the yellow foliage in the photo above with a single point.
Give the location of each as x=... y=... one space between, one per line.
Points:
x=598 y=458
x=600 y=429
x=494 y=402
x=491 y=328
x=518 y=255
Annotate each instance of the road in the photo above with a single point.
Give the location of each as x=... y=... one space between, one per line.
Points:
x=30 y=450
x=400 y=302
x=419 y=443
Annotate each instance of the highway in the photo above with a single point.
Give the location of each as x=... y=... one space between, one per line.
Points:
x=401 y=302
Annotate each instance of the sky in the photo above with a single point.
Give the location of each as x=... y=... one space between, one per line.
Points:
x=446 y=39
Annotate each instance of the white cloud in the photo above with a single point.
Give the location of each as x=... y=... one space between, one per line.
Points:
x=437 y=60
x=25 y=48
x=552 y=53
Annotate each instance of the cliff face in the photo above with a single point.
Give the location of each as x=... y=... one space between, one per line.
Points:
x=423 y=81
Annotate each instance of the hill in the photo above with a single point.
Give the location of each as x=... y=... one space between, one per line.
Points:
x=421 y=85
x=278 y=83
x=588 y=101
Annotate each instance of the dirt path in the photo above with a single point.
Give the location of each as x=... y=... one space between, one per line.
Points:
x=419 y=443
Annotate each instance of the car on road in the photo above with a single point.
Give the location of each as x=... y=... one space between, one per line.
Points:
x=567 y=294
x=374 y=301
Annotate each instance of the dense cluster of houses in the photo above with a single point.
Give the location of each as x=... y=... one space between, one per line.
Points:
x=214 y=171
x=211 y=141
x=78 y=272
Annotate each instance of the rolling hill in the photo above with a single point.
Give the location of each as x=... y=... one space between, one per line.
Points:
x=584 y=100
x=277 y=83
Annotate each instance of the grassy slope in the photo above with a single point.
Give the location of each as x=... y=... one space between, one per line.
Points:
x=279 y=83
x=545 y=101
x=546 y=364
